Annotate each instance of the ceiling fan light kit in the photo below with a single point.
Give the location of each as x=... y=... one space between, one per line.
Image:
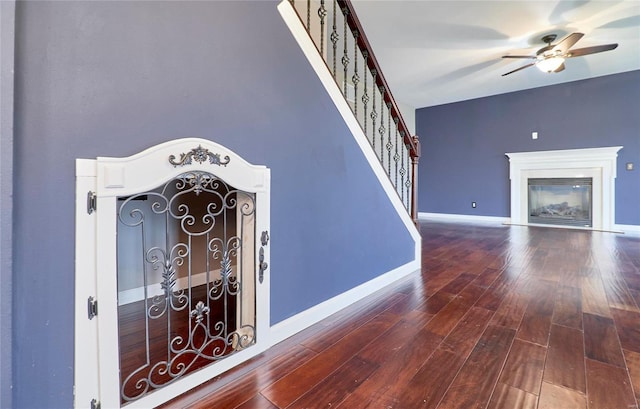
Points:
x=550 y=58
x=550 y=64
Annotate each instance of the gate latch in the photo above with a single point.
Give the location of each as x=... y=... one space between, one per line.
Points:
x=264 y=239
x=91 y=202
x=92 y=307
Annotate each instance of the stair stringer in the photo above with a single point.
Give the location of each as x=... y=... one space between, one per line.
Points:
x=316 y=61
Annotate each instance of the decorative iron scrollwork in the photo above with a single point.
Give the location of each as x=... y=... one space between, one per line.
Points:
x=199 y=312
x=184 y=323
x=200 y=155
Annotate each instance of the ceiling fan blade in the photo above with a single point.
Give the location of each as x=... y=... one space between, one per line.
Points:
x=519 y=56
x=567 y=42
x=578 y=52
x=560 y=68
x=521 y=68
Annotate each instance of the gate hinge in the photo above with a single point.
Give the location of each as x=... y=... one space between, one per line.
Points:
x=92 y=308
x=92 y=203
x=95 y=404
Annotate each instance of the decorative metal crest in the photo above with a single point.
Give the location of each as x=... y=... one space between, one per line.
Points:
x=200 y=155
x=199 y=312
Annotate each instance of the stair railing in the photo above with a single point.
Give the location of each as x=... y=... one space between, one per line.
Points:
x=338 y=35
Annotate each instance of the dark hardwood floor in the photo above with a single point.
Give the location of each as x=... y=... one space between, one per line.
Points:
x=499 y=317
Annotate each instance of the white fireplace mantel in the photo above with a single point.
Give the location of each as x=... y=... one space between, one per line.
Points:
x=596 y=163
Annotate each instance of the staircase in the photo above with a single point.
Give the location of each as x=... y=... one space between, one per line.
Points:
x=340 y=40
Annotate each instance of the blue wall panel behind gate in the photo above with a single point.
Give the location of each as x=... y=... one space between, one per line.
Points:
x=113 y=78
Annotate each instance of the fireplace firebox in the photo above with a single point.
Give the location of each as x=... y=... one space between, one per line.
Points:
x=561 y=201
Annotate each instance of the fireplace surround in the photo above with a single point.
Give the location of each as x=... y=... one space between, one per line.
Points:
x=598 y=164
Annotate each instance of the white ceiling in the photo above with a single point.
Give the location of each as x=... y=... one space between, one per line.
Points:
x=436 y=52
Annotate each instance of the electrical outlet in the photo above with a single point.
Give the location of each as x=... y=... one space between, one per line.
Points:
x=629 y=165
x=473 y=204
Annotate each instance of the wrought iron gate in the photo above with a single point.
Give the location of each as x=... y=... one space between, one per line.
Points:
x=194 y=323
x=185 y=270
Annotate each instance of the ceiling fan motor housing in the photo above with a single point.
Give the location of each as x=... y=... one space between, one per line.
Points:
x=549 y=38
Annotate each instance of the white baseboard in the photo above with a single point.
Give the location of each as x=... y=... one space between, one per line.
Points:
x=465 y=218
x=291 y=326
x=562 y=226
x=137 y=294
x=631 y=229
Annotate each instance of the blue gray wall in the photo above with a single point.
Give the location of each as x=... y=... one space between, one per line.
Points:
x=7 y=37
x=113 y=78
x=463 y=144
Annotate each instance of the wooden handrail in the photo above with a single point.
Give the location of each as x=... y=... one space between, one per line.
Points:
x=364 y=45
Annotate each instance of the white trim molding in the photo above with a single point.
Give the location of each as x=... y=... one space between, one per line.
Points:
x=630 y=229
x=597 y=163
x=462 y=218
x=137 y=294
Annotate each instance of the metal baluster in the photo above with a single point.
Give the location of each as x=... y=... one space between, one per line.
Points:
x=334 y=37
x=365 y=95
x=396 y=157
x=355 y=78
x=322 y=13
x=402 y=169
x=309 y=16
x=408 y=183
x=373 y=114
x=389 y=145
x=381 y=129
x=345 y=56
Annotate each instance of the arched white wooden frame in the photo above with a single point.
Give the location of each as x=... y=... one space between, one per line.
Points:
x=96 y=340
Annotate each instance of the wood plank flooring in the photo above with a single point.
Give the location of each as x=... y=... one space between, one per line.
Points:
x=500 y=317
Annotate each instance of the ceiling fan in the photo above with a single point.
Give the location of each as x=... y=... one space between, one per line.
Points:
x=550 y=58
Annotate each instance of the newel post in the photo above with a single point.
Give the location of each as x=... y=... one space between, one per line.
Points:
x=415 y=158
